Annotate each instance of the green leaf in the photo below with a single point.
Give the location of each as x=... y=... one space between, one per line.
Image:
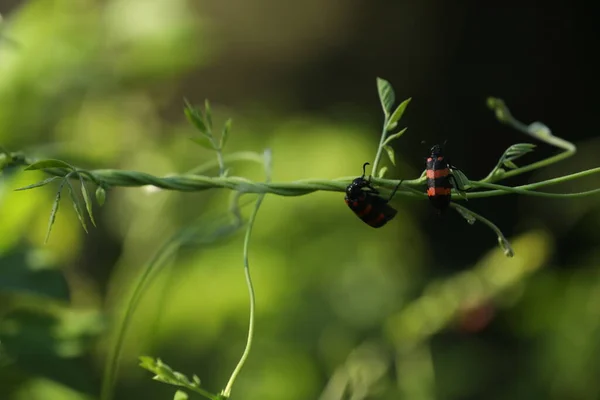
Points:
x=510 y=164
x=394 y=136
x=180 y=395
x=203 y=141
x=50 y=342
x=77 y=206
x=514 y=152
x=208 y=114
x=225 y=133
x=195 y=118
x=25 y=275
x=518 y=150
x=87 y=200
x=397 y=114
x=499 y=172
x=100 y=195
x=54 y=209
x=386 y=95
x=462 y=182
x=147 y=363
x=390 y=153
x=196 y=380
x=38 y=184
x=164 y=373
x=382 y=172
x=44 y=164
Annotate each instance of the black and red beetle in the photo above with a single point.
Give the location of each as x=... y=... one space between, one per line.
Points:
x=364 y=200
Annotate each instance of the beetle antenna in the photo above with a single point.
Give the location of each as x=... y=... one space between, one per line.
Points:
x=365 y=169
x=395 y=189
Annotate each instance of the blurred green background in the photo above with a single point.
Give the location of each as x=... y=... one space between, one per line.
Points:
x=425 y=308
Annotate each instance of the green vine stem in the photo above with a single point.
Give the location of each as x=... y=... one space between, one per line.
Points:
x=471 y=217
x=379 y=148
x=192 y=182
x=227 y=391
x=151 y=271
x=537 y=130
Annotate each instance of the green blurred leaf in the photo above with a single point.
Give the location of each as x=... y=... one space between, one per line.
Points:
x=225 y=133
x=18 y=275
x=462 y=182
x=390 y=153
x=394 y=136
x=54 y=209
x=38 y=184
x=196 y=379
x=203 y=141
x=397 y=114
x=100 y=195
x=87 y=200
x=382 y=172
x=52 y=344
x=208 y=114
x=386 y=95
x=519 y=149
x=76 y=205
x=510 y=164
x=180 y=395
x=499 y=172
x=44 y=164
x=164 y=373
x=514 y=152
x=195 y=118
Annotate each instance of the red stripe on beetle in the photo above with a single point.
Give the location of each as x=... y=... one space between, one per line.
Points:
x=440 y=173
x=438 y=191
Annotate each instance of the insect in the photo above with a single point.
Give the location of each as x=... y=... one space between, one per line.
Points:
x=367 y=204
x=439 y=179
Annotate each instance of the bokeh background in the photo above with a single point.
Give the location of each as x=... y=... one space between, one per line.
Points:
x=425 y=308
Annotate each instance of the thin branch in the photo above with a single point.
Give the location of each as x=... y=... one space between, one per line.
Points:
x=227 y=391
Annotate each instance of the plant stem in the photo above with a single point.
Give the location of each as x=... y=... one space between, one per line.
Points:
x=227 y=391
x=221 y=162
x=525 y=190
x=193 y=182
x=543 y=134
x=112 y=362
x=380 y=148
x=504 y=243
